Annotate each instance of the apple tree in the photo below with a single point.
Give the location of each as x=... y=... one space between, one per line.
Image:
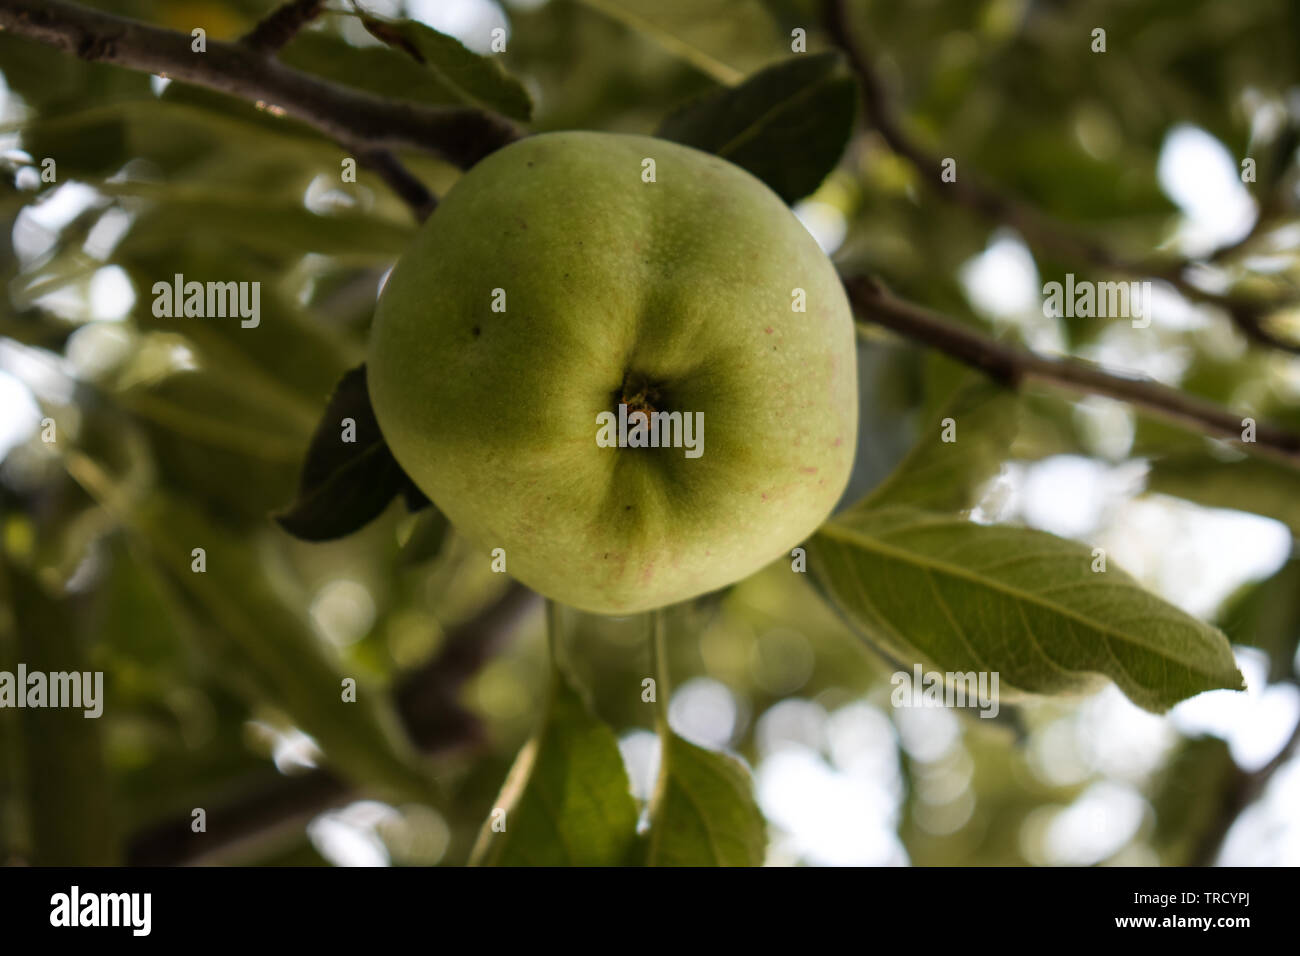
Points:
x=617 y=432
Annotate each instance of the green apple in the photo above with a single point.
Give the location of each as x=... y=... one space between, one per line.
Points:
x=573 y=273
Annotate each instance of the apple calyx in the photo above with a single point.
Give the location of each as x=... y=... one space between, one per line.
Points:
x=638 y=395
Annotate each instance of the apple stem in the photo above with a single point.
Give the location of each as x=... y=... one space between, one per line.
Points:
x=553 y=624
x=659 y=664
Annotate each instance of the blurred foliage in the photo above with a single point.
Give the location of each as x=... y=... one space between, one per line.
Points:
x=182 y=433
x=566 y=800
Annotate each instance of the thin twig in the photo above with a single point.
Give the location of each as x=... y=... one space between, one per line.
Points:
x=1014 y=366
x=1038 y=229
x=400 y=180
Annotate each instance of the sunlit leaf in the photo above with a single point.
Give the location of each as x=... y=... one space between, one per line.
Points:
x=722 y=39
x=473 y=78
x=566 y=800
x=960 y=597
x=703 y=811
x=941 y=475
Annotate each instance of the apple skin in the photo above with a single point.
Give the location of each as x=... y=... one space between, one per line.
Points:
x=684 y=285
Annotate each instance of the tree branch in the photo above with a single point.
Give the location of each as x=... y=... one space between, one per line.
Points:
x=1014 y=366
x=426 y=698
x=1039 y=230
x=282 y=24
x=460 y=135
x=427 y=703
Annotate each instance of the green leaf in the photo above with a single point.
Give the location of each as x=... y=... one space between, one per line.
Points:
x=1024 y=604
x=478 y=80
x=188 y=127
x=67 y=784
x=566 y=799
x=251 y=362
x=1251 y=484
x=254 y=220
x=204 y=408
x=94 y=148
x=347 y=484
x=428 y=535
x=374 y=69
x=1189 y=795
x=787 y=124
x=722 y=39
x=703 y=811
x=947 y=476
x=1266 y=614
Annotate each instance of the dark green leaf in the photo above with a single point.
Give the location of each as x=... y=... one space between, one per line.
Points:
x=1189 y=795
x=1251 y=484
x=787 y=124
x=95 y=148
x=1281 y=154
x=1266 y=614
x=703 y=812
x=347 y=484
x=566 y=799
x=963 y=597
